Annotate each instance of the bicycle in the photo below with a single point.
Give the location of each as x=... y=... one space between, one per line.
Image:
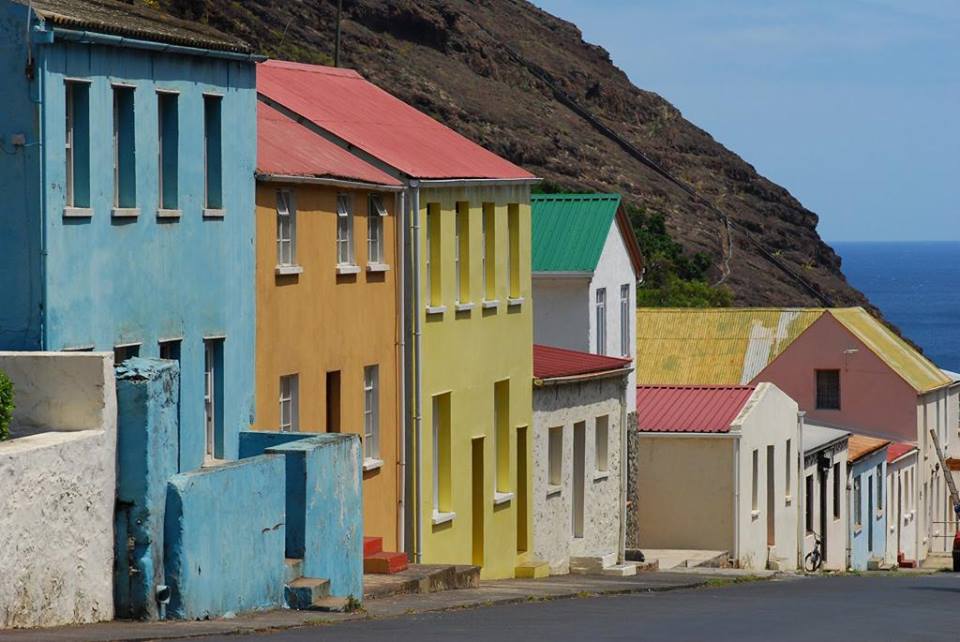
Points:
x=814 y=559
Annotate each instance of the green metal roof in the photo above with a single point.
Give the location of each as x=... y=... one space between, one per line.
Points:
x=569 y=230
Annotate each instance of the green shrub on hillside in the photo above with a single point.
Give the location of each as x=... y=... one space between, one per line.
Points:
x=6 y=405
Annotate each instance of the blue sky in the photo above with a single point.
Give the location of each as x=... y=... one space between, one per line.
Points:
x=852 y=105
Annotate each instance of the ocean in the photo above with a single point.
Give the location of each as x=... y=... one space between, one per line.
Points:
x=917 y=286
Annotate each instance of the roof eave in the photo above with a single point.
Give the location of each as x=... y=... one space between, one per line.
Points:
x=268 y=177
x=587 y=376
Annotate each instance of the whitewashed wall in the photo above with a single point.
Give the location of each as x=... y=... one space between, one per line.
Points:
x=565 y=405
x=937 y=410
x=561 y=311
x=901 y=511
x=57 y=473
x=836 y=527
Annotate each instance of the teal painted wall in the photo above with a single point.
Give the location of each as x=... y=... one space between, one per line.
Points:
x=865 y=469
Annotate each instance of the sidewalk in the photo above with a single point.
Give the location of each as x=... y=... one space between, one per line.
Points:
x=488 y=594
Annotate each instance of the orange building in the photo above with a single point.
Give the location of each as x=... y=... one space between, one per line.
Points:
x=327 y=351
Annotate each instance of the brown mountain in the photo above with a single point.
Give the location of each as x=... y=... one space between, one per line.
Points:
x=524 y=84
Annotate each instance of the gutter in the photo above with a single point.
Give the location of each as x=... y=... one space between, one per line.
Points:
x=95 y=38
x=322 y=180
x=801 y=487
x=562 y=275
x=592 y=376
x=417 y=369
x=399 y=205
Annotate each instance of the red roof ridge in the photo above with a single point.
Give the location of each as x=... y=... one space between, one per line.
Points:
x=703 y=386
x=316 y=69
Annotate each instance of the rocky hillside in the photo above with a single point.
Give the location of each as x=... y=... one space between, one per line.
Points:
x=513 y=77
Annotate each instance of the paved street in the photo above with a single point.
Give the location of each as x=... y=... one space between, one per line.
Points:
x=852 y=608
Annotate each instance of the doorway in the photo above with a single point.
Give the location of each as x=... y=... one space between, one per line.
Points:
x=771 y=508
x=522 y=489
x=579 y=475
x=870 y=518
x=333 y=401
x=899 y=514
x=477 y=488
x=823 y=473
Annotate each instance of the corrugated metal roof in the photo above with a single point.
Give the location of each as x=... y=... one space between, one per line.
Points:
x=718 y=346
x=896 y=451
x=287 y=148
x=860 y=446
x=708 y=409
x=343 y=103
x=570 y=230
x=913 y=367
x=135 y=21
x=550 y=362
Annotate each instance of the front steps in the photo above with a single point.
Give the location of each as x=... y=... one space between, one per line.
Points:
x=601 y=565
x=421 y=578
x=532 y=570
x=308 y=593
x=378 y=561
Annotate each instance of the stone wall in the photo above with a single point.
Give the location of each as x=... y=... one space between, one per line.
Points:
x=564 y=406
x=58 y=476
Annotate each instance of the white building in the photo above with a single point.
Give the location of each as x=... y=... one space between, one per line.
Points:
x=579 y=420
x=586 y=266
x=902 y=460
x=718 y=470
x=822 y=500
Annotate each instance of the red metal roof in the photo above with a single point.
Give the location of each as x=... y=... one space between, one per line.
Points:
x=550 y=362
x=345 y=104
x=286 y=148
x=860 y=446
x=896 y=451
x=690 y=408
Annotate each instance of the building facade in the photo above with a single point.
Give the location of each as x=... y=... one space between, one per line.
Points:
x=824 y=500
x=902 y=513
x=468 y=323
x=327 y=304
x=579 y=415
x=867 y=529
x=127 y=226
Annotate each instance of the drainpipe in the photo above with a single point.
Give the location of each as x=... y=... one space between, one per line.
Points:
x=624 y=463
x=418 y=371
x=736 y=499
x=801 y=484
x=399 y=225
x=40 y=103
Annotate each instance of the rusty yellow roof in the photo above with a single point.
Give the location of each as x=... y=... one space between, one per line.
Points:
x=731 y=346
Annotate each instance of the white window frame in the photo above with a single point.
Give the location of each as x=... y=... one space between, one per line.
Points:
x=345 y=255
x=755 y=488
x=286 y=229
x=371 y=412
x=601 y=320
x=290 y=403
x=375 y=215
x=625 y=320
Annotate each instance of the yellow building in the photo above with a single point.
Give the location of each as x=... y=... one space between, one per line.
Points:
x=468 y=323
x=327 y=302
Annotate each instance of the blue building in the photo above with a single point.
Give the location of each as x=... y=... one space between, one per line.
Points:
x=129 y=149
x=868 y=513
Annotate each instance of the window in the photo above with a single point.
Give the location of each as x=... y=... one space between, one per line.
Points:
x=344 y=229
x=375 y=215
x=501 y=434
x=441 y=453
x=808 y=500
x=625 y=320
x=123 y=352
x=124 y=149
x=879 y=487
x=601 y=321
x=371 y=412
x=555 y=455
x=837 y=485
x=513 y=233
x=286 y=229
x=755 y=492
x=857 y=508
x=828 y=389
x=213 y=153
x=461 y=252
x=333 y=401
x=488 y=249
x=788 y=474
x=170 y=350
x=213 y=396
x=601 y=445
x=168 y=162
x=290 y=403
x=433 y=290
x=78 y=144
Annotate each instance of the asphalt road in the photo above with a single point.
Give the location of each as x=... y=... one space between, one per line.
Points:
x=847 y=609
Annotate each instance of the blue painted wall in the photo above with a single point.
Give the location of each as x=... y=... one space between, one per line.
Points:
x=224 y=538
x=146 y=459
x=20 y=185
x=324 y=503
x=112 y=281
x=862 y=548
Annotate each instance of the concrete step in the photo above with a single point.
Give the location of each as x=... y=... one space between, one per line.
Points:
x=626 y=569
x=905 y=563
x=372 y=546
x=304 y=592
x=330 y=605
x=592 y=563
x=533 y=569
x=467 y=576
x=292 y=569
x=421 y=578
x=385 y=563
